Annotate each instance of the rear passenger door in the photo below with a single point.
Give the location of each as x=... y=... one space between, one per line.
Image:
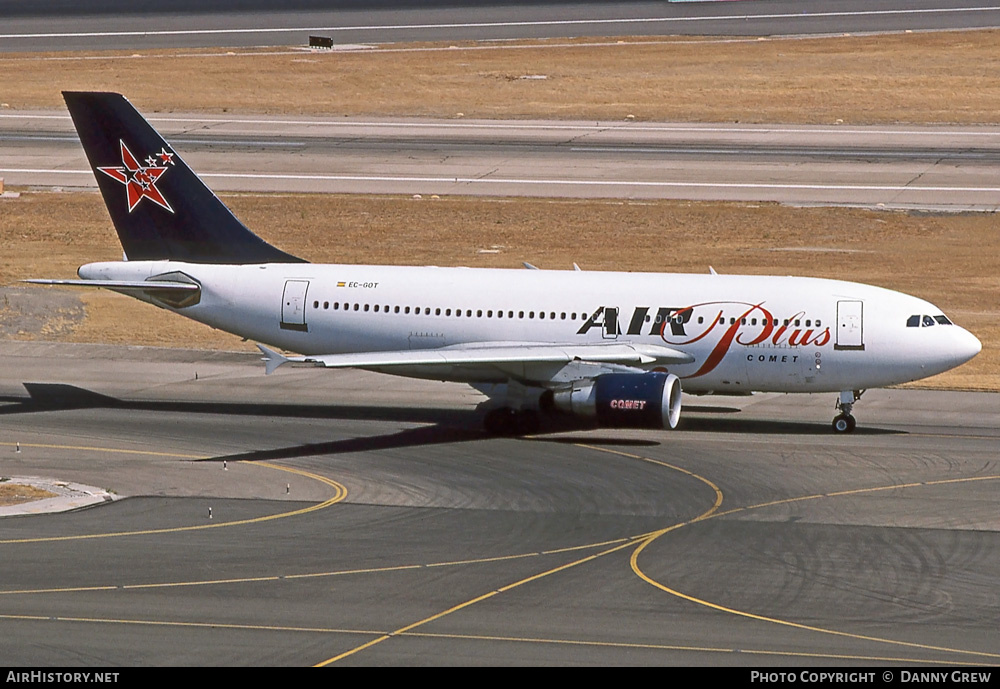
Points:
x=293 y=305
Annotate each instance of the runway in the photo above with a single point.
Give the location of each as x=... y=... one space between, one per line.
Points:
x=952 y=168
x=117 y=24
x=364 y=520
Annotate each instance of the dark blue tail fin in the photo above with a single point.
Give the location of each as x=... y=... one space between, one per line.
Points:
x=160 y=208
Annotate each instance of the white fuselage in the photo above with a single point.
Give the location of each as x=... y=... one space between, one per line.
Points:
x=746 y=333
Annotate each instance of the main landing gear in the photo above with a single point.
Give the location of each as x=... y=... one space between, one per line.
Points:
x=507 y=421
x=844 y=422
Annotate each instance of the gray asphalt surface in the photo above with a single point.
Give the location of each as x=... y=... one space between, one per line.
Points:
x=787 y=545
x=118 y=24
x=953 y=168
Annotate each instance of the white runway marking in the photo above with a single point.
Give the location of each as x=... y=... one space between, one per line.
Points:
x=553 y=182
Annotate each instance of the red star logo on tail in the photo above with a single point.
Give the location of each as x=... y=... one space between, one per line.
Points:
x=139 y=180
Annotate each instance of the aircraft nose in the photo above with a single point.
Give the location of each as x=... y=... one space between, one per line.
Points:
x=965 y=346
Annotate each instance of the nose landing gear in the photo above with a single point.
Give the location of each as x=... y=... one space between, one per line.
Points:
x=844 y=422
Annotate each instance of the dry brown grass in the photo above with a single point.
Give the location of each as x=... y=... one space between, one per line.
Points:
x=16 y=493
x=922 y=78
x=951 y=260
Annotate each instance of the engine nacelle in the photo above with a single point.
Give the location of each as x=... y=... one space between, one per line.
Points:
x=625 y=400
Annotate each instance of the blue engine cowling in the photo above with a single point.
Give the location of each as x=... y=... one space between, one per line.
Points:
x=625 y=400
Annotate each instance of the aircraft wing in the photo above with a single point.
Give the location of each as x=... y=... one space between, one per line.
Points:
x=491 y=353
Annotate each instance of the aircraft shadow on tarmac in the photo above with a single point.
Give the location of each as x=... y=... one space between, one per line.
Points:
x=412 y=437
x=59 y=396
x=446 y=425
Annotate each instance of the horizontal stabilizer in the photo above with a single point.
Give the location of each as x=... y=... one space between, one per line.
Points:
x=272 y=359
x=171 y=293
x=124 y=285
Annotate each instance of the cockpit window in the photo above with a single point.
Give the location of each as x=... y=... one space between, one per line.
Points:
x=926 y=321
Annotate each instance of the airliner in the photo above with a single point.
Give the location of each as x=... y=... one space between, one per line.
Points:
x=611 y=348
